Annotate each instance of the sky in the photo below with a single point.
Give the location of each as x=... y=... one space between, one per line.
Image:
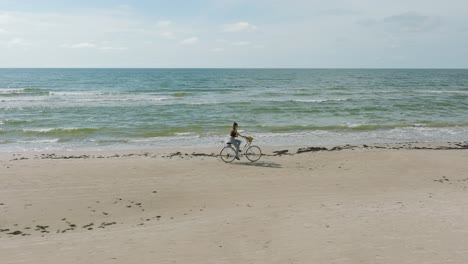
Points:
x=234 y=34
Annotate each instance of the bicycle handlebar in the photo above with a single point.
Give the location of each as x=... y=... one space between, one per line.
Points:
x=248 y=138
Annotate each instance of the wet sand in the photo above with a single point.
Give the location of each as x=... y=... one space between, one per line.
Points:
x=387 y=203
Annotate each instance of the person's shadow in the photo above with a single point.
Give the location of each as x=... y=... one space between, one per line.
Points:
x=263 y=164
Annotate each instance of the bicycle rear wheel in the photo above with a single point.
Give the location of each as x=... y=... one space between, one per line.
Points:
x=227 y=154
x=253 y=153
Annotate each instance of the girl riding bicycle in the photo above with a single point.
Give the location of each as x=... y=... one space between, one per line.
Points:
x=235 y=141
x=229 y=153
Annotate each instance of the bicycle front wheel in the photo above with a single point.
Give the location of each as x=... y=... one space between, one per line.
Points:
x=227 y=154
x=253 y=153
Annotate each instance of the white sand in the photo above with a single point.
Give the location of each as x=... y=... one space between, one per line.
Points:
x=349 y=206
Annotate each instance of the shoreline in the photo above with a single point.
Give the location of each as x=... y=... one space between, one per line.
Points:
x=169 y=152
x=325 y=138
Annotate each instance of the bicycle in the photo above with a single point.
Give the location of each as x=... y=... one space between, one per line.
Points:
x=252 y=153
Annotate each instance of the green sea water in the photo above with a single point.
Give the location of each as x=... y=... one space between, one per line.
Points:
x=62 y=109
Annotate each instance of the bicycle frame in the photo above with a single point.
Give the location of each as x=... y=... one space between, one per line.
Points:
x=244 y=149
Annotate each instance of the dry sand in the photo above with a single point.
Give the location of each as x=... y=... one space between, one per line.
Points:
x=358 y=205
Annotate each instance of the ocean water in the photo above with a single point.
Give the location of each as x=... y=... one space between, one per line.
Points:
x=94 y=109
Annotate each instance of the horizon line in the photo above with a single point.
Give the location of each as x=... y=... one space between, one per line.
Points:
x=251 y=68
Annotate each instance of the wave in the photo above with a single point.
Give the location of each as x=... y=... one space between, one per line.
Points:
x=60 y=131
x=7 y=92
x=197 y=131
x=60 y=93
x=359 y=127
x=39 y=141
x=260 y=100
x=123 y=99
x=177 y=132
x=14 y=122
x=445 y=92
x=319 y=100
x=101 y=96
x=86 y=99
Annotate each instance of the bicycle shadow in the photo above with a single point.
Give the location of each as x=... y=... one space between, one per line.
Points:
x=263 y=164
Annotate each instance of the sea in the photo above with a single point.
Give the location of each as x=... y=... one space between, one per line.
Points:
x=123 y=109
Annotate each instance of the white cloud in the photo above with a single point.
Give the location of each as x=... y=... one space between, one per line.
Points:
x=112 y=48
x=167 y=34
x=83 y=45
x=405 y=22
x=165 y=29
x=189 y=41
x=337 y=12
x=222 y=44
x=239 y=27
x=17 y=42
x=3 y=31
x=241 y=43
x=163 y=23
x=90 y=45
x=6 y=18
x=412 y=22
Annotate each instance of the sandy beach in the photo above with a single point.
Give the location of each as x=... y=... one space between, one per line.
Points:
x=403 y=203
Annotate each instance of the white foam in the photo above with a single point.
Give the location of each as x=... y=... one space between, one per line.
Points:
x=96 y=96
x=24 y=99
x=41 y=141
x=122 y=99
x=11 y=90
x=185 y=134
x=319 y=100
x=45 y=130
x=76 y=93
x=40 y=130
x=354 y=125
x=442 y=92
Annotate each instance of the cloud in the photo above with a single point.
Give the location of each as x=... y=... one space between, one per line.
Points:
x=165 y=29
x=239 y=27
x=189 y=41
x=112 y=48
x=218 y=49
x=338 y=12
x=3 y=31
x=90 y=45
x=83 y=45
x=6 y=18
x=17 y=42
x=405 y=22
x=163 y=23
x=411 y=22
x=167 y=34
x=241 y=43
